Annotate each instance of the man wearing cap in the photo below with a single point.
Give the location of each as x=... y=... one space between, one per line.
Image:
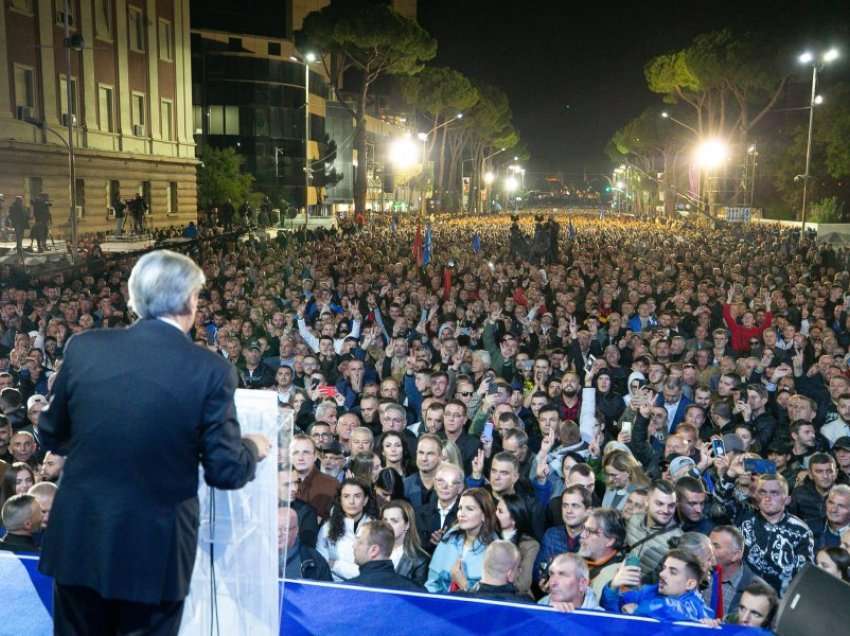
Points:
x=255 y=374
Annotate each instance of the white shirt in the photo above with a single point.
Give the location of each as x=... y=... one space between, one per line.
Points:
x=835 y=429
x=172 y=322
x=671 y=412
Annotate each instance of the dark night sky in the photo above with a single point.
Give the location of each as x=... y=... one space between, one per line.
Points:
x=590 y=55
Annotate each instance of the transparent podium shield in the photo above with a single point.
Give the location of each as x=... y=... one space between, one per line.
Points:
x=234 y=588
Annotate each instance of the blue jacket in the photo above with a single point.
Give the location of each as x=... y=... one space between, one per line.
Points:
x=448 y=551
x=684 y=403
x=686 y=607
x=634 y=323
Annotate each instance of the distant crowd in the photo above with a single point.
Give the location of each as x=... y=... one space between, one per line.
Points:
x=620 y=415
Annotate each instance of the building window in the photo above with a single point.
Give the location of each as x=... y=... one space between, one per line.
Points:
x=136 y=31
x=103 y=19
x=63 y=98
x=231 y=120
x=274 y=48
x=224 y=120
x=166 y=41
x=105 y=108
x=80 y=194
x=138 y=100
x=22 y=6
x=59 y=6
x=24 y=87
x=166 y=117
x=198 y=120
x=171 y=198
x=113 y=189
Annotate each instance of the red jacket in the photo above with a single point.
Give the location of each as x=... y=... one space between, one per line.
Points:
x=740 y=334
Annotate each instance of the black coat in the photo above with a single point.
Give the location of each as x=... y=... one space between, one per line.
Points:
x=428 y=522
x=136 y=410
x=415 y=569
x=382 y=574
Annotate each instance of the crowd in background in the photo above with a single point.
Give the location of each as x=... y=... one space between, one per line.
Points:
x=599 y=413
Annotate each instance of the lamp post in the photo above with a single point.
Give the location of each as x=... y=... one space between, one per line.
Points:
x=666 y=115
x=708 y=155
x=511 y=185
x=809 y=58
x=309 y=58
x=424 y=135
x=76 y=42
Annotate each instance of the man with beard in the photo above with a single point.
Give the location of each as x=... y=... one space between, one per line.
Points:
x=648 y=534
x=675 y=597
x=570 y=403
x=575 y=507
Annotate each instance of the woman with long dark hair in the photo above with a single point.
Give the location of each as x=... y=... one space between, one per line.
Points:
x=388 y=486
x=338 y=533
x=514 y=519
x=458 y=561
x=393 y=453
x=408 y=557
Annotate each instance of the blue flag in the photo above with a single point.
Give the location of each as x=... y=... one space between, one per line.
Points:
x=476 y=243
x=426 y=253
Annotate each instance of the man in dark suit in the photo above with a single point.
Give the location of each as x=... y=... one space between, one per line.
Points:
x=437 y=516
x=22 y=519
x=372 y=549
x=135 y=411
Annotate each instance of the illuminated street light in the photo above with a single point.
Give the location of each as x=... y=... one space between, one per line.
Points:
x=818 y=100
x=511 y=184
x=310 y=57
x=831 y=55
x=808 y=58
x=665 y=114
x=489 y=177
x=711 y=153
x=621 y=185
x=403 y=152
x=422 y=136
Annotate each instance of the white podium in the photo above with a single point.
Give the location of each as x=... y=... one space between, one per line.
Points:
x=234 y=589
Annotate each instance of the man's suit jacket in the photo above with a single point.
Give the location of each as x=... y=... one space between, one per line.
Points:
x=428 y=522
x=136 y=410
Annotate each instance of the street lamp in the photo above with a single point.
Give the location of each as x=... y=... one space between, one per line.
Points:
x=808 y=57
x=403 y=152
x=666 y=115
x=489 y=177
x=708 y=155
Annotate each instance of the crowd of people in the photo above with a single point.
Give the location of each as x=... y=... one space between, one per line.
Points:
x=628 y=416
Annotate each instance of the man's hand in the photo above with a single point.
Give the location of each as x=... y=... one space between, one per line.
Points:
x=626 y=576
x=261 y=442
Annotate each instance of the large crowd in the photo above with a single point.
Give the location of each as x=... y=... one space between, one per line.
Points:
x=644 y=417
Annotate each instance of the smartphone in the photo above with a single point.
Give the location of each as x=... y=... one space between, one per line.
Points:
x=591 y=359
x=488 y=431
x=633 y=561
x=760 y=466
x=718 y=447
x=492 y=387
x=328 y=390
x=626 y=427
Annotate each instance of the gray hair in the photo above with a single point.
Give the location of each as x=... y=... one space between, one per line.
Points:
x=483 y=356
x=162 y=284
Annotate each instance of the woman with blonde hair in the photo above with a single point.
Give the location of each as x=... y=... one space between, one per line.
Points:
x=623 y=474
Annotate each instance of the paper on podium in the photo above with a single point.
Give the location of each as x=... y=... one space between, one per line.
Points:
x=234 y=584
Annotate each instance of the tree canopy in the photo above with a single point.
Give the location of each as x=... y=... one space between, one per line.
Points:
x=220 y=177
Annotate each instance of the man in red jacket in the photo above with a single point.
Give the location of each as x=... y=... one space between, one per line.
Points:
x=747 y=328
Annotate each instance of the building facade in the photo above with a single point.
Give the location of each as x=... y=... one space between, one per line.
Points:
x=129 y=107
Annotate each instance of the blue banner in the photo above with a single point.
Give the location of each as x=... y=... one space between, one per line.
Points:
x=311 y=608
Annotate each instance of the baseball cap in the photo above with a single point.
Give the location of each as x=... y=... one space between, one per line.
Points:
x=36 y=399
x=255 y=344
x=842 y=443
x=681 y=463
x=733 y=443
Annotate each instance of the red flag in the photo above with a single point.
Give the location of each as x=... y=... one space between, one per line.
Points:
x=417 y=245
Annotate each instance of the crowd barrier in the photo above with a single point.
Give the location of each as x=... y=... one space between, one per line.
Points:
x=311 y=608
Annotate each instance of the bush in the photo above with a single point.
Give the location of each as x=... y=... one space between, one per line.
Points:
x=828 y=210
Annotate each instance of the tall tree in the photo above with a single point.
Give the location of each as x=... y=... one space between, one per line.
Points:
x=728 y=81
x=440 y=93
x=220 y=177
x=374 y=40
